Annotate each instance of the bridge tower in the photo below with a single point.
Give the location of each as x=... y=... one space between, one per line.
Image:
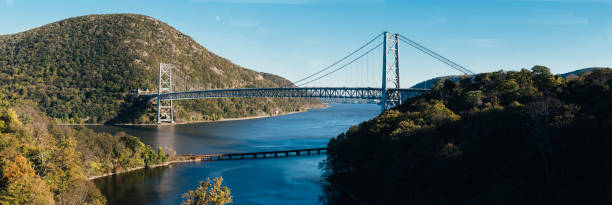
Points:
x=164 y=107
x=390 y=72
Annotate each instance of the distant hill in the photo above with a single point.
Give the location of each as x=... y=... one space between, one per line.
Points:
x=455 y=78
x=580 y=71
x=431 y=82
x=82 y=69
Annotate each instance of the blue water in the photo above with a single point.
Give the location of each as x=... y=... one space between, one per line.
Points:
x=293 y=180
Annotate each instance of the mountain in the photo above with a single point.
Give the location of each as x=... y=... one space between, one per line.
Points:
x=82 y=69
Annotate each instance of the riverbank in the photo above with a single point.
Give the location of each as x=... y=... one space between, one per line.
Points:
x=186 y=158
x=198 y=158
x=322 y=106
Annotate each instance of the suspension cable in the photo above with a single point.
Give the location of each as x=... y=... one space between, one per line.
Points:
x=337 y=69
x=436 y=56
x=342 y=59
x=367 y=70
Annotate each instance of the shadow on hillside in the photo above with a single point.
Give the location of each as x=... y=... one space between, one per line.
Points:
x=139 y=106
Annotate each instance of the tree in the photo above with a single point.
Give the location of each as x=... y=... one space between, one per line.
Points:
x=209 y=193
x=19 y=184
x=9 y=122
x=543 y=79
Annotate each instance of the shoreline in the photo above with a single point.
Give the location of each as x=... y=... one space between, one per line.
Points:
x=143 y=167
x=323 y=106
x=183 y=158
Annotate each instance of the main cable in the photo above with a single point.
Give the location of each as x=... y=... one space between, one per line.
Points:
x=342 y=59
x=337 y=69
x=436 y=56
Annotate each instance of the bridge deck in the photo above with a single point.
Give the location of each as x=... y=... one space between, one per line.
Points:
x=298 y=92
x=260 y=155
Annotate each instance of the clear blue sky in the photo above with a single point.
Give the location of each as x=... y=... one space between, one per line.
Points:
x=293 y=38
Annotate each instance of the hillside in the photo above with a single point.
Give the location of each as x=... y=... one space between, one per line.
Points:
x=45 y=163
x=82 y=69
x=517 y=137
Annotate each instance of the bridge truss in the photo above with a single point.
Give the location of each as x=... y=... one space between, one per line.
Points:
x=308 y=92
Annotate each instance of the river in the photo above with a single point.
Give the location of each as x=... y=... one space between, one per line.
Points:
x=293 y=180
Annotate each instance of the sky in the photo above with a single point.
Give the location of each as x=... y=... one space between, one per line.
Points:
x=294 y=38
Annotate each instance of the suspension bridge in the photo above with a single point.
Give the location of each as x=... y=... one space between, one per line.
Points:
x=390 y=93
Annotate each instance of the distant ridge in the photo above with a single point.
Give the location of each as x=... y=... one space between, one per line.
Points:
x=580 y=71
x=431 y=82
x=455 y=78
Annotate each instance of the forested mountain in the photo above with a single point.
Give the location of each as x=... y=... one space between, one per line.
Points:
x=82 y=69
x=517 y=137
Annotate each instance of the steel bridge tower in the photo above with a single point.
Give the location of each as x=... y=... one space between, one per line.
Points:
x=390 y=72
x=164 y=107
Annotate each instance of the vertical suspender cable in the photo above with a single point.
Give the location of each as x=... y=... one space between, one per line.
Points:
x=342 y=59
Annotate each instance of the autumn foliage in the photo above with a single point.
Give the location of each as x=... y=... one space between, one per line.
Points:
x=43 y=163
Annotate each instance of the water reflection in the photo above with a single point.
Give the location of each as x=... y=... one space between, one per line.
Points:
x=132 y=187
x=164 y=136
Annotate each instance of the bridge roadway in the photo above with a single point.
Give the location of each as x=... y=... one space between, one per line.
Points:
x=297 y=92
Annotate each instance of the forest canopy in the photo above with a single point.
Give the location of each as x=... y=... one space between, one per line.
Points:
x=516 y=137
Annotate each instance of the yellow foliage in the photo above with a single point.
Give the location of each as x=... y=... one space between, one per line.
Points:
x=405 y=127
x=516 y=104
x=9 y=121
x=26 y=190
x=437 y=112
x=209 y=193
x=21 y=184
